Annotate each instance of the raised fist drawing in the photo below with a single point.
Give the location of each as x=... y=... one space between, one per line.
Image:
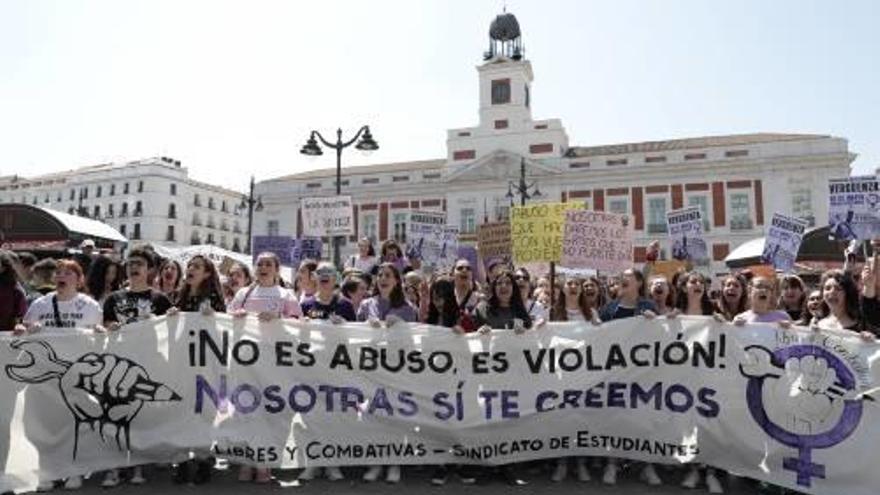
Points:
x=801 y=397
x=104 y=391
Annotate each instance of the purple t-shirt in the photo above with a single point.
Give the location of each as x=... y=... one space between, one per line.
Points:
x=768 y=317
x=379 y=308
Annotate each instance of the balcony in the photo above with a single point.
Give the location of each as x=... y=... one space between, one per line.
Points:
x=656 y=228
x=741 y=223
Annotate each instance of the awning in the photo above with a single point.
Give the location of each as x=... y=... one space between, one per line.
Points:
x=816 y=248
x=37 y=228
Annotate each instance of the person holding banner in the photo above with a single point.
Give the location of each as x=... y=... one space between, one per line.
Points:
x=326 y=304
x=734 y=299
x=815 y=309
x=504 y=309
x=793 y=298
x=762 y=305
x=266 y=297
x=354 y=289
x=365 y=260
x=466 y=291
x=693 y=295
x=630 y=301
x=388 y=306
x=238 y=276
x=306 y=284
x=662 y=294
x=170 y=274
x=841 y=295
x=574 y=305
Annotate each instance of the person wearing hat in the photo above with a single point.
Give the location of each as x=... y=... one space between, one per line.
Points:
x=87 y=246
x=326 y=303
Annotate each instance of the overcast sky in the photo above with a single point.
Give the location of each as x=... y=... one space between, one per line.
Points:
x=233 y=88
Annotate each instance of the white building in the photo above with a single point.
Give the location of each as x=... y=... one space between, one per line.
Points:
x=151 y=200
x=738 y=181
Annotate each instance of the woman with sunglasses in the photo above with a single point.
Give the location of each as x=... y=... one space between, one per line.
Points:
x=388 y=306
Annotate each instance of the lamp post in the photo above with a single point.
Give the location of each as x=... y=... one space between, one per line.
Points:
x=250 y=203
x=366 y=143
x=522 y=188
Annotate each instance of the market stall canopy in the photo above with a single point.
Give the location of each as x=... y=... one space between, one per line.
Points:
x=26 y=227
x=816 y=247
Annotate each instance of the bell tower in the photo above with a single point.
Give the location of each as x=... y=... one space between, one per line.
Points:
x=505 y=77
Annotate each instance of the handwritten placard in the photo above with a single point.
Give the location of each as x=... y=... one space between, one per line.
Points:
x=494 y=241
x=597 y=240
x=536 y=231
x=329 y=216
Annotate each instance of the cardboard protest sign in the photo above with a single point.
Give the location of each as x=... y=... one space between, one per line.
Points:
x=536 y=231
x=280 y=245
x=597 y=240
x=665 y=268
x=306 y=248
x=493 y=239
x=329 y=216
x=431 y=240
x=783 y=242
x=686 y=234
x=853 y=205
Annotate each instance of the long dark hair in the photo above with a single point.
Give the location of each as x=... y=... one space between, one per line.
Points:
x=168 y=261
x=516 y=302
x=681 y=295
x=446 y=316
x=850 y=291
x=560 y=312
x=96 y=279
x=9 y=277
x=397 y=298
x=728 y=312
x=791 y=280
x=210 y=286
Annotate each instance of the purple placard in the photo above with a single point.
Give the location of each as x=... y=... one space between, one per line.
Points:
x=280 y=245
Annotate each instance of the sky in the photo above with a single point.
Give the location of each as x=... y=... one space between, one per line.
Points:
x=232 y=89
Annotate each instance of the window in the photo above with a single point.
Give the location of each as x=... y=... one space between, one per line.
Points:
x=138 y=209
x=99 y=191
x=701 y=202
x=372 y=180
x=46 y=200
x=528 y=96
x=400 y=178
x=468 y=221
x=370 y=227
x=223 y=243
x=210 y=239
x=173 y=188
x=72 y=194
x=84 y=193
x=502 y=213
x=58 y=199
x=236 y=246
x=655 y=159
x=657 y=215
x=223 y=207
x=736 y=153
x=197 y=201
x=271 y=227
x=137 y=231
x=122 y=229
x=169 y=235
x=71 y=211
x=110 y=211
x=740 y=211
x=619 y=206
x=432 y=176
x=313 y=185
x=140 y=186
x=399 y=221
x=112 y=189
x=125 y=188
x=500 y=91
x=96 y=211
x=579 y=165
x=613 y=163
x=172 y=210
x=802 y=200
x=695 y=156
x=211 y=203
x=124 y=212
x=196 y=220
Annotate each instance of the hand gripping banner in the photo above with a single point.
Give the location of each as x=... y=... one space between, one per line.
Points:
x=294 y=394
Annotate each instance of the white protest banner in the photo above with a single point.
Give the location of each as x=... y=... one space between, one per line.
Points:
x=293 y=394
x=431 y=240
x=783 y=242
x=329 y=216
x=597 y=240
x=852 y=207
x=686 y=234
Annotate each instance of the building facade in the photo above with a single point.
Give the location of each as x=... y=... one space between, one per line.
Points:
x=738 y=181
x=149 y=201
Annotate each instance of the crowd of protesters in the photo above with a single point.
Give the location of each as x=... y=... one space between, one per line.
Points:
x=102 y=293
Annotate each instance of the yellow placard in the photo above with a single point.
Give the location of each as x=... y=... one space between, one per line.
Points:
x=536 y=231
